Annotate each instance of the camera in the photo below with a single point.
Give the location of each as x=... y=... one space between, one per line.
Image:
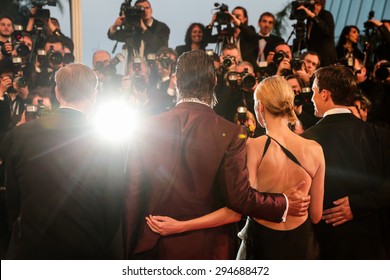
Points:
x=110 y=68
x=228 y=61
x=166 y=61
x=222 y=18
x=68 y=58
x=33 y=112
x=369 y=24
x=242 y=118
x=52 y=56
x=241 y=114
x=42 y=15
x=242 y=80
x=18 y=78
x=383 y=72
x=19 y=46
x=138 y=80
x=133 y=15
x=279 y=56
x=303 y=97
x=300 y=14
x=296 y=63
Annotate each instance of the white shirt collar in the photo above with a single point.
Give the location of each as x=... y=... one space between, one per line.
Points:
x=337 y=111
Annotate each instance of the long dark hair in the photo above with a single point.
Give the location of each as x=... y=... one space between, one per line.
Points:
x=187 y=38
x=343 y=35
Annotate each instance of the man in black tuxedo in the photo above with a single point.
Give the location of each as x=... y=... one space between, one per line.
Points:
x=320 y=32
x=267 y=42
x=143 y=38
x=64 y=186
x=357 y=183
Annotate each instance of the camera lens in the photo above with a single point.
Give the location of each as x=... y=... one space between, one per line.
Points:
x=22 y=50
x=248 y=81
x=382 y=73
x=68 y=58
x=278 y=57
x=55 y=58
x=227 y=62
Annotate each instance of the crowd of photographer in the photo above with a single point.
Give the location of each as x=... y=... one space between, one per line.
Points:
x=29 y=57
x=243 y=57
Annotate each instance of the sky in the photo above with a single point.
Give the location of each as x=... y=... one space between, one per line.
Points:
x=99 y=15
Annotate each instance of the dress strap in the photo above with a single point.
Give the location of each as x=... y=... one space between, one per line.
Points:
x=267 y=143
x=287 y=152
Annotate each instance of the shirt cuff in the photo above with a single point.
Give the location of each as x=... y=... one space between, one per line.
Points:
x=284 y=217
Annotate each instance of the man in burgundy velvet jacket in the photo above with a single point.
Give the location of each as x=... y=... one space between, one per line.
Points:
x=186 y=163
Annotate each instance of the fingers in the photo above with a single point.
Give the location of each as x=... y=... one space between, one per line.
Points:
x=340 y=201
x=335 y=219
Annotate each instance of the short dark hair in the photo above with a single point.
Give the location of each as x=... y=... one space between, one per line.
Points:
x=303 y=55
x=268 y=14
x=321 y=2
x=142 y=1
x=6 y=65
x=244 y=11
x=339 y=81
x=6 y=16
x=196 y=77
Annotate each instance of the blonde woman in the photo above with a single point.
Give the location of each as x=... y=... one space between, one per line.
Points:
x=275 y=161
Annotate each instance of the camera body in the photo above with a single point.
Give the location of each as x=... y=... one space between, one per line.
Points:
x=296 y=63
x=17 y=78
x=368 y=24
x=110 y=68
x=166 y=61
x=20 y=47
x=228 y=61
x=243 y=80
x=138 y=81
x=300 y=14
x=222 y=18
x=33 y=112
x=42 y=15
x=49 y=58
x=279 y=56
x=383 y=72
x=303 y=97
x=133 y=15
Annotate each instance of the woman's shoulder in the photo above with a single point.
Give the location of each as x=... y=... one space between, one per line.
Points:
x=256 y=141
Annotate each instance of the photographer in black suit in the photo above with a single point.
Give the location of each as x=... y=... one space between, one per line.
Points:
x=141 y=37
x=320 y=32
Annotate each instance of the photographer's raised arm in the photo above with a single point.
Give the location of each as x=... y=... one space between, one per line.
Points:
x=113 y=33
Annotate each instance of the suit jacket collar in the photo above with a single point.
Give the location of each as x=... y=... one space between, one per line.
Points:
x=194 y=106
x=69 y=112
x=337 y=118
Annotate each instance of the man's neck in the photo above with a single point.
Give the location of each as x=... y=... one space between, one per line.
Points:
x=264 y=35
x=5 y=39
x=148 y=22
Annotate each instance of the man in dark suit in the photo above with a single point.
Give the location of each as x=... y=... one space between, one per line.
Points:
x=267 y=42
x=188 y=162
x=357 y=183
x=143 y=37
x=320 y=32
x=63 y=185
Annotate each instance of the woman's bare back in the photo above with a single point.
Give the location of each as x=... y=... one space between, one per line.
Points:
x=276 y=170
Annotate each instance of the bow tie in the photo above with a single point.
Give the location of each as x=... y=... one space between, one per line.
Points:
x=263 y=37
